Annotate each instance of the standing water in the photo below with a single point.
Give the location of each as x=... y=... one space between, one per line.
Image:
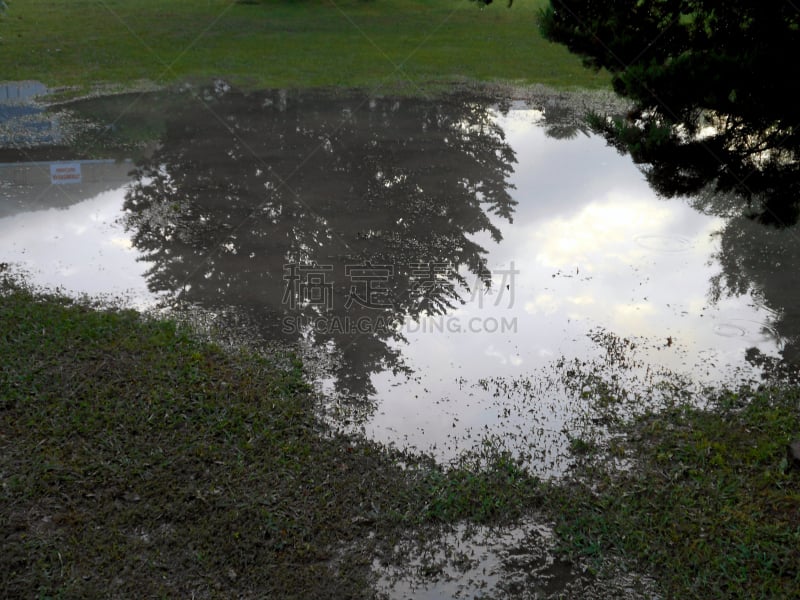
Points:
x=455 y=272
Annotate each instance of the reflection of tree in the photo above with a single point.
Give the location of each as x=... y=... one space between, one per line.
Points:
x=247 y=184
x=562 y=122
x=760 y=261
x=563 y=115
x=714 y=112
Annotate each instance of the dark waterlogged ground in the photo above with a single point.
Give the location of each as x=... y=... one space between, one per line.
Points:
x=455 y=271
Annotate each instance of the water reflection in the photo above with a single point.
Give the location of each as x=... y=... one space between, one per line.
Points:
x=379 y=232
x=327 y=220
x=22 y=123
x=761 y=262
x=30 y=185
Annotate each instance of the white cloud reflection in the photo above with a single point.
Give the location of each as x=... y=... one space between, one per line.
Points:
x=600 y=232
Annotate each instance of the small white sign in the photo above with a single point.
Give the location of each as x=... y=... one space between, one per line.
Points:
x=61 y=173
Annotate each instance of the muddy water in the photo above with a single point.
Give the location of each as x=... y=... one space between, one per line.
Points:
x=484 y=562
x=457 y=272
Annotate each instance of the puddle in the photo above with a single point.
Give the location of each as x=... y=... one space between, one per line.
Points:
x=445 y=266
x=20 y=92
x=664 y=243
x=752 y=331
x=23 y=122
x=472 y=562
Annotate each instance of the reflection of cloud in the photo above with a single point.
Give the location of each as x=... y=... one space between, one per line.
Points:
x=77 y=229
x=122 y=243
x=638 y=317
x=600 y=231
x=522 y=122
x=66 y=271
x=580 y=300
x=636 y=309
x=697 y=305
x=81 y=248
x=503 y=358
x=543 y=303
x=573 y=316
x=493 y=353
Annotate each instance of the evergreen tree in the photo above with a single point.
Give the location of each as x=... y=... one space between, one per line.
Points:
x=714 y=89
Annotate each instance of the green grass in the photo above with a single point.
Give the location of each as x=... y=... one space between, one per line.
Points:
x=410 y=45
x=137 y=461
x=708 y=508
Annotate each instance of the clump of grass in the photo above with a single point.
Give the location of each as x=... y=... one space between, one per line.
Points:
x=709 y=506
x=485 y=485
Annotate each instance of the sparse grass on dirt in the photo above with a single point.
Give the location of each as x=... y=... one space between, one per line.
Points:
x=137 y=461
x=708 y=505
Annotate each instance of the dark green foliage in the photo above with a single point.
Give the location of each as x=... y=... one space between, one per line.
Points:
x=714 y=87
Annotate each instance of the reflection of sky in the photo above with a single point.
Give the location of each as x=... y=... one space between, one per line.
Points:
x=604 y=250
x=591 y=245
x=14 y=92
x=594 y=249
x=81 y=248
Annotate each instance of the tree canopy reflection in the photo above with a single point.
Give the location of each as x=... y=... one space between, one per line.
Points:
x=761 y=262
x=298 y=208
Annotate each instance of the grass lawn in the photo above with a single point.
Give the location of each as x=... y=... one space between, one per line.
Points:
x=398 y=45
